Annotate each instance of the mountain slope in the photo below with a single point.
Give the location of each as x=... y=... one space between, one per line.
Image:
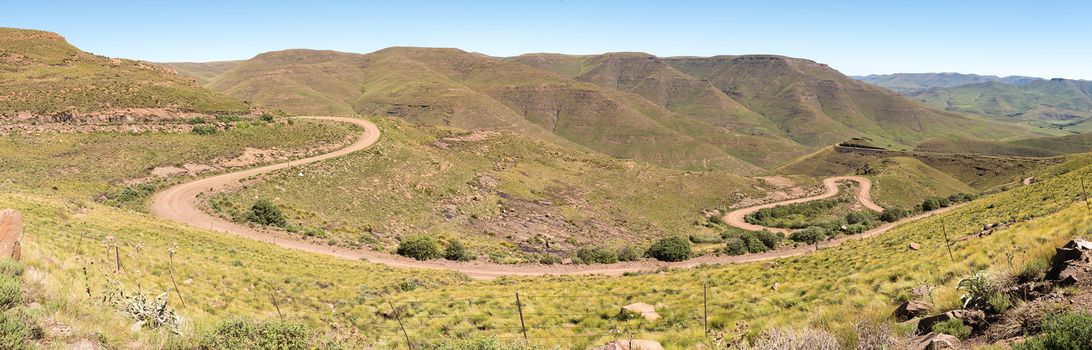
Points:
x=909 y=83
x=43 y=75
x=817 y=106
x=1056 y=103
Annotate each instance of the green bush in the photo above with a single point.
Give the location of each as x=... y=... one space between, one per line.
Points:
x=205 y=129
x=1068 y=331
x=858 y=217
x=855 y=229
x=266 y=117
x=670 y=249
x=953 y=327
x=809 y=235
x=243 y=333
x=1033 y=270
x=735 y=246
x=629 y=253
x=754 y=245
x=893 y=214
x=770 y=239
x=11 y=293
x=264 y=212
x=548 y=259
x=456 y=251
x=934 y=203
x=597 y=255
x=419 y=247
x=17 y=331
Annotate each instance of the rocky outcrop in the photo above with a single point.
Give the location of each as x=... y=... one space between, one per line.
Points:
x=11 y=229
x=911 y=309
x=936 y=341
x=642 y=309
x=975 y=319
x=1071 y=262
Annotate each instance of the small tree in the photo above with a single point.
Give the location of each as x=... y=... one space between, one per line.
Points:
x=770 y=239
x=809 y=235
x=670 y=249
x=419 y=247
x=264 y=212
x=456 y=251
x=735 y=246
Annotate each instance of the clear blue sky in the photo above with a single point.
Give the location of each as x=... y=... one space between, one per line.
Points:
x=1037 y=38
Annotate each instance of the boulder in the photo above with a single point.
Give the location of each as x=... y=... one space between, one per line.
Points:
x=914 y=246
x=1030 y=291
x=1071 y=262
x=974 y=318
x=635 y=344
x=645 y=310
x=936 y=341
x=911 y=309
x=11 y=229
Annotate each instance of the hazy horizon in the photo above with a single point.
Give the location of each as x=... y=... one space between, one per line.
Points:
x=996 y=38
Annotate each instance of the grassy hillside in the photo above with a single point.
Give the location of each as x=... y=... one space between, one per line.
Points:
x=1057 y=103
x=1030 y=147
x=818 y=106
x=918 y=175
x=450 y=87
x=41 y=74
x=90 y=165
x=500 y=193
x=206 y=71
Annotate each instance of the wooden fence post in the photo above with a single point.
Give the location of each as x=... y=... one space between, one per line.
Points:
x=522 y=325
x=398 y=317
x=705 y=305
x=944 y=229
x=117 y=259
x=273 y=296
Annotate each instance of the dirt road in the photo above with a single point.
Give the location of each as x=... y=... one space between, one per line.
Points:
x=179 y=204
x=864 y=196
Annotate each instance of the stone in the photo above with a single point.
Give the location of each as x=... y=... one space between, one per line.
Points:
x=775 y=286
x=645 y=310
x=635 y=344
x=936 y=341
x=11 y=229
x=911 y=309
x=1030 y=291
x=914 y=246
x=973 y=318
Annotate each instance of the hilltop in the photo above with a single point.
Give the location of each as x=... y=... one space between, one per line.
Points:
x=909 y=83
x=745 y=113
x=41 y=74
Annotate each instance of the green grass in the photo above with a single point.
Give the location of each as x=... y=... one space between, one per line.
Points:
x=98 y=163
x=419 y=180
x=44 y=75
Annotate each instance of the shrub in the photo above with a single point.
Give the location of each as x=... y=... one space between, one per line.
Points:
x=266 y=117
x=1033 y=270
x=419 y=247
x=11 y=294
x=770 y=239
x=858 y=217
x=264 y=212
x=893 y=214
x=809 y=235
x=243 y=333
x=934 y=203
x=735 y=246
x=978 y=288
x=480 y=343
x=855 y=229
x=16 y=332
x=754 y=245
x=456 y=251
x=961 y=197
x=699 y=238
x=629 y=253
x=597 y=255
x=548 y=259
x=670 y=249
x=1068 y=331
x=953 y=327
x=205 y=129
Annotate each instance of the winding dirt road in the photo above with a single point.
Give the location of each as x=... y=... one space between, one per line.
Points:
x=179 y=204
x=864 y=196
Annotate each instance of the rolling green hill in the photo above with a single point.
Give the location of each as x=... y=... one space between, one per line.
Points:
x=909 y=83
x=1056 y=103
x=43 y=75
x=689 y=113
x=1032 y=147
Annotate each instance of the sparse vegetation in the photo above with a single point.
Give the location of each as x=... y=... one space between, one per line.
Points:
x=1067 y=331
x=953 y=327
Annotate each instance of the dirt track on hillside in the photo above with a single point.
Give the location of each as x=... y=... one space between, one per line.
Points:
x=864 y=196
x=179 y=204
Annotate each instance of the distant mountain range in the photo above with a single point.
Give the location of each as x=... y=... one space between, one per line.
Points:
x=1055 y=103
x=746 y=113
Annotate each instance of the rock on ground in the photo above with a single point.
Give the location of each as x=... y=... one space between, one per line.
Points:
x=11 y=228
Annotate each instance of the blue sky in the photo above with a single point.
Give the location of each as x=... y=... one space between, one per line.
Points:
x=1037 y=38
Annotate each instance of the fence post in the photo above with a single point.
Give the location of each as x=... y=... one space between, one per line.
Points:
x=117 y=259
x=522 y=325
x=705 y=305
x=399 y=319
x=1084 y=195
x=276 y=305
